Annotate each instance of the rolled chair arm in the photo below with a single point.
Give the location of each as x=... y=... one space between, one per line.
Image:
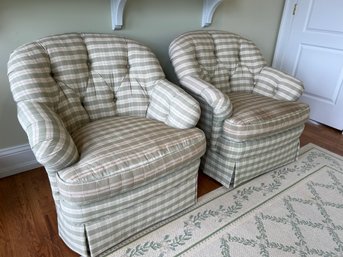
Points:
x=173 y=106
x=277 y=84
x=215 y=107
x=220 y=102
x=51 y=143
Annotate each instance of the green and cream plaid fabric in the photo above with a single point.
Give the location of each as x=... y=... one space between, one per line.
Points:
x=235 y=162
x=225 y=60
x=170 y=105
x=143 y=150
x=154 y=176
x=256 y=116
x=216 y=106
x=50 y=141
x=116 y=138
x=276 y=84
x=84 y=226
x=249 y=112
x=230 y=63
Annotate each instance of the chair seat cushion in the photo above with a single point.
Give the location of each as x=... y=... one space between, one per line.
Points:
x=118 y=154
x=256 y=116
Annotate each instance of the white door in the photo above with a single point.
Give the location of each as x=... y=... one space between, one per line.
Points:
x=310 y=47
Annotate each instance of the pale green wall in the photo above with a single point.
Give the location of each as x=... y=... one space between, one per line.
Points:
x=152 y=22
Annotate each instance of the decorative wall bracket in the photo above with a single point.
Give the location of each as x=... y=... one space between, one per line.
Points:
x=209 y=7
x=118 y=6
x=117 y=11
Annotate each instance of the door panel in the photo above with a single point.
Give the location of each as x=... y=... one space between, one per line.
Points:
x=330 y=64
x=323 y=8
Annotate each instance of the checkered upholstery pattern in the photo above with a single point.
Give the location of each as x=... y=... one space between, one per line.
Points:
x=117 y=140
x=249 y=111
x=257 y=116
x=130 y=141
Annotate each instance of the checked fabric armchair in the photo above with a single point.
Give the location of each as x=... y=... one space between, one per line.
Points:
x=118 y=141
x=249 y=111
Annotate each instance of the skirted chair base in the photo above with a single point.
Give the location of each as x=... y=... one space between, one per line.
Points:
x=262 y=134
x=123 y=215
x=249 y=111
x=154 y=178
x=117 y=139
x=242 y=161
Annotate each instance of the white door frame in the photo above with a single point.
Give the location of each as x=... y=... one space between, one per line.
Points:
x=284 y=32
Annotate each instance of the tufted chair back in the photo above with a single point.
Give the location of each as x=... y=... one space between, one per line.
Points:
x=85 y=77
x=249 y=112
x=117 y=139
x=225 y=60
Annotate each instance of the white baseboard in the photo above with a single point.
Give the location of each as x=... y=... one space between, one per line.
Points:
x=16 y=159
x=313 y=122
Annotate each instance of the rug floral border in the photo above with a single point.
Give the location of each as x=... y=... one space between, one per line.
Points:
x=267 y=187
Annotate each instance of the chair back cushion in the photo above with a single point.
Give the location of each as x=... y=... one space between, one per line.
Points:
x=223 y=59
x=85 y=77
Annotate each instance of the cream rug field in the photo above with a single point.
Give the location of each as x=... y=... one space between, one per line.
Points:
x=296 y=210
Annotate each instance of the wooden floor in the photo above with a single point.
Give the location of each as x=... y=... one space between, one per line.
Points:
x=27 y=213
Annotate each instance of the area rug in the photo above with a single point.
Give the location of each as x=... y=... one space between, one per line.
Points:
x=295 y=210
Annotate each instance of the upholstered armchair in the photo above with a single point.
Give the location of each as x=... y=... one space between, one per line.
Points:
x=249 y=112
x=118 y=141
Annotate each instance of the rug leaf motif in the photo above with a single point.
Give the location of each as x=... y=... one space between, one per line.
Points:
x=222 y=214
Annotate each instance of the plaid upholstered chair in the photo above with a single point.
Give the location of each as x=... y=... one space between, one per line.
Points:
x=116 y=138
x=249 y=111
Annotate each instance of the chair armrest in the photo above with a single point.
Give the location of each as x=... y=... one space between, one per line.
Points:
x=51 y=143
x=277 y=84
x=219 y=102
x=215 y=106
x=173 y=106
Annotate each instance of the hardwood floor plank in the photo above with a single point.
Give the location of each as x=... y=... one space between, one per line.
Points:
x=43 y=207
x=14 y=219
x=5 y=236
x=206 y=184
x=28 y=225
